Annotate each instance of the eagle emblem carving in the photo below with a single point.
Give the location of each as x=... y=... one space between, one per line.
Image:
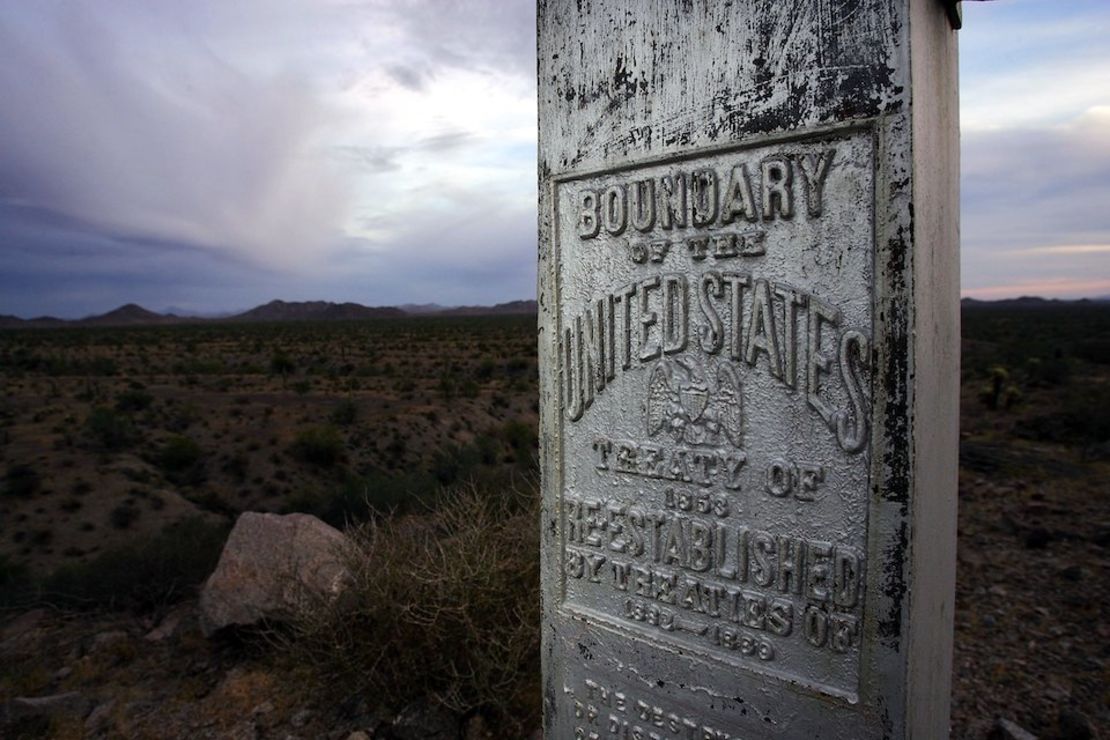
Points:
x=692 y=411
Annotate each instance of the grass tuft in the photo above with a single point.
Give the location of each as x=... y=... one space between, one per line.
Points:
x=441 y=604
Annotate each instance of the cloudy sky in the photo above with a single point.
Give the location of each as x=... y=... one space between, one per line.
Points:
x=212 y=155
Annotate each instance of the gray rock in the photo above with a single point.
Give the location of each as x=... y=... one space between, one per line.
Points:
x=107 y=640
x=358 y=735
x=24 y=623
x=358 y=716
x=1074 y=725
x=71 y=703
x=265 y=707
x=422 y=720
x=1097 y=452
x=173 y=624
x=100 y=717
x=270 y=566
x=245 y=730
x=1005 y=729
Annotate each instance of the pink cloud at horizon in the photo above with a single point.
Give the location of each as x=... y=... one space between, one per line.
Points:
x=1057 y=288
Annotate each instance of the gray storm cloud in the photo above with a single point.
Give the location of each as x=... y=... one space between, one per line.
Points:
x=141 y=132
x=1038 y=186
x=473 y=34
x=371 y=150
x=1030 y=197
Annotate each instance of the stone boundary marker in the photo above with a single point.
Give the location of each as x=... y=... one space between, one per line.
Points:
x=749 y=337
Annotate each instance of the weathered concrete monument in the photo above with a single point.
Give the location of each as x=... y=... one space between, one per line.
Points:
x=749 y=367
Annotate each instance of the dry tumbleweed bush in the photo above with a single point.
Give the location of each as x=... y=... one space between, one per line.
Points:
x=443 y=604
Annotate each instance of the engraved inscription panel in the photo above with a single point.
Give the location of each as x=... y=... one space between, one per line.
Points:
x=715 y=328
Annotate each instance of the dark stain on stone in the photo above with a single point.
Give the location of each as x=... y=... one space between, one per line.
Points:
x=621 y=75
x=894 y=587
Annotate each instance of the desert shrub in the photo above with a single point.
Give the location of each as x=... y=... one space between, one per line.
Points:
x=1047 y=372
x=1095 y=350
x=344 y=413
x=447 y=386
x=15 y=582
x=487 y=447
x=21 y=481
x=1083 y=416
x=281 y=364
x=41 y=537
x=999 y=391
x=443 y=604
x=178 y=453
x=522 y=439
x=485 y=370
x=134 y=399
x=11 y=571
x=237 y=466
x=182 y=461
x=357 y=498
x=454 y=462
x=103 y=366
x=123 y=516
x=518 y=366
x=143 y=576
x=109 y=429
x=320 y=445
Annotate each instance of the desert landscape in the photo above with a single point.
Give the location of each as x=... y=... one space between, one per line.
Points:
x=127 y=452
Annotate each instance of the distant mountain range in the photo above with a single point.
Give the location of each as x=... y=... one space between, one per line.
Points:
x=1031 y=302
x=134 y=315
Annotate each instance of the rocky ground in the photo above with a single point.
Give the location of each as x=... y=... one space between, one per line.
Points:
x=1032 y=651
x=1032 y=639
x=1032 y=591
x=117 y=676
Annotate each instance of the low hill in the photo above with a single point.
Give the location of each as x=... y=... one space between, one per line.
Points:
x=128 y=315
x=134 y=315
x=316 y=311
x=1027 y=302
x=512 y=308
